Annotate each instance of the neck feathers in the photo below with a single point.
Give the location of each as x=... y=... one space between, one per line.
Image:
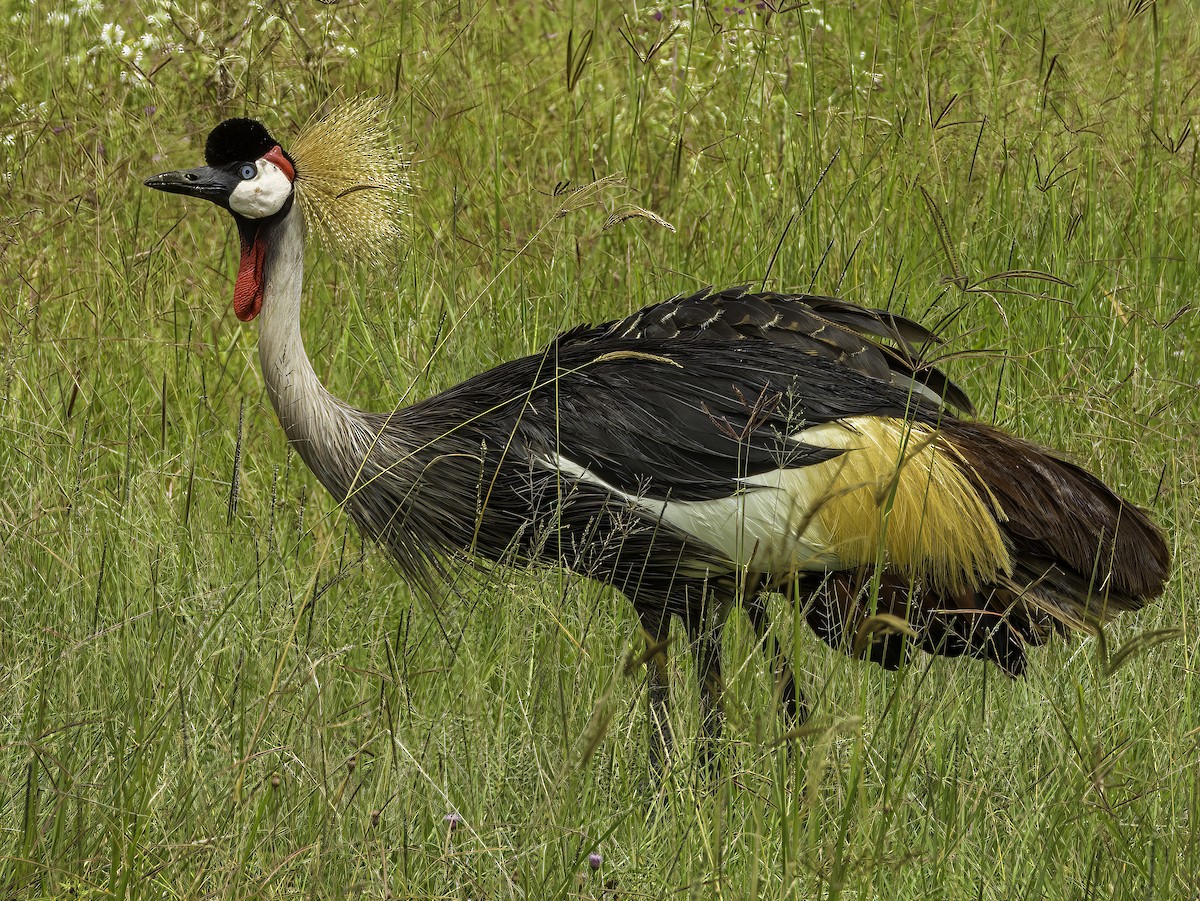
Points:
x=317 y=424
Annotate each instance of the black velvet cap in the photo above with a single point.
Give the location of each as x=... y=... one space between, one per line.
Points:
x=235 y=140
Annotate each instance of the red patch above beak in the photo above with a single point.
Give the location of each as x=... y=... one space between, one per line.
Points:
x=275 y=155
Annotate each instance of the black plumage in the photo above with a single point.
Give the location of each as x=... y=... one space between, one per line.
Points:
x=680 y=416
x=237 y=140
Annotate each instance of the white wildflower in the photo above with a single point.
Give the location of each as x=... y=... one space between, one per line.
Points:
x=58 y=18
x=88 y=7
x=111 y=33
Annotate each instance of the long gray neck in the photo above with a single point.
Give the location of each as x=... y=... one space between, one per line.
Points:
x=316 y=423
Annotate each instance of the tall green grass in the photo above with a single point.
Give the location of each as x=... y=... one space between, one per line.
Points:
x=210 y=688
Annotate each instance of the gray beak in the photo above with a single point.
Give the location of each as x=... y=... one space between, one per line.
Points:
x=211 y=184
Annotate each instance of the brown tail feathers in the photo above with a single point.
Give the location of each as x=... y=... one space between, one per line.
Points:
x=1077 y=547
x=1081 y=555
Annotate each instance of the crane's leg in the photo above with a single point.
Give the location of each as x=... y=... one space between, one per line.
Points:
x=706 y=645
x=792 y=700
x=656 y=625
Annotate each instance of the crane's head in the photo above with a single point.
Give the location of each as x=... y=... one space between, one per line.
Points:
x=248 y=173
x=342 y=170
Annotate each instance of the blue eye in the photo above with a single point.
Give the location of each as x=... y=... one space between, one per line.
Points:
x=247 y=171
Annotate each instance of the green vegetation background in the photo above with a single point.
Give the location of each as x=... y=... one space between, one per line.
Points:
x=210 y=688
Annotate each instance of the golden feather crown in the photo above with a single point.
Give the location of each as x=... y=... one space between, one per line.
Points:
x=350 y=183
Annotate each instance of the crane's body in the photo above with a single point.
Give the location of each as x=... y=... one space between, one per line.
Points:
x=698 y=454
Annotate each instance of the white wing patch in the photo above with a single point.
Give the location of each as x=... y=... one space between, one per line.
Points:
x=766 y=526
x=263 y=195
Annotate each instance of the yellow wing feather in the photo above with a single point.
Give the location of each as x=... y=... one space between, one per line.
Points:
x=902 y=486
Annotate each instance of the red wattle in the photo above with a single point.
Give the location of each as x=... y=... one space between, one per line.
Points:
x=248 y=289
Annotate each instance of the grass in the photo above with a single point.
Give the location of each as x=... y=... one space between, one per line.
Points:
x=210 y=688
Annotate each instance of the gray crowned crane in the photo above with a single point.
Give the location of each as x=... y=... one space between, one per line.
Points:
x=695 y=455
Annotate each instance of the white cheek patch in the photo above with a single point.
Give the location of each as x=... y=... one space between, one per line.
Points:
x=261 y=196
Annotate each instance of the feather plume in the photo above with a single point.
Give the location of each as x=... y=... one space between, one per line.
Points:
x=350 y=182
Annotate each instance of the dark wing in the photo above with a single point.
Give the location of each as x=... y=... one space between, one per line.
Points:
x=665 y=418
x=872 y=342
